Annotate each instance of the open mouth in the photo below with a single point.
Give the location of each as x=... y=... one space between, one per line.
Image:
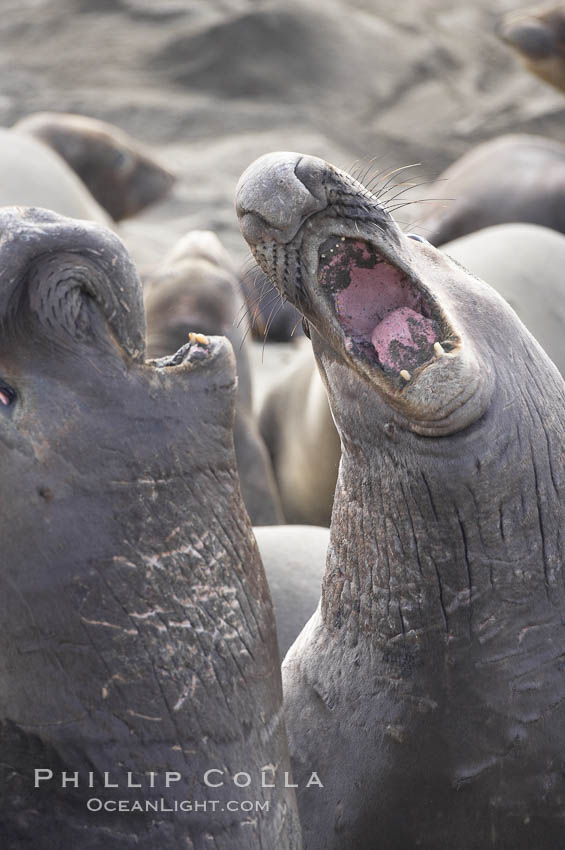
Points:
x=198 y=349
x=388 y=320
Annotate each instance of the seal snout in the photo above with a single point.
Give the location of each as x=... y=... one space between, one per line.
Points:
x=277 y=193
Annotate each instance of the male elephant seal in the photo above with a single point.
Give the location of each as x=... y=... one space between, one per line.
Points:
x=120 y=173
x=138 y=648
x=194 y=288
x=507 y=179
x=538 y=36
x=428 y=690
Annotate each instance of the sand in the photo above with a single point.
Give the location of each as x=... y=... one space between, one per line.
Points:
x=211 y=84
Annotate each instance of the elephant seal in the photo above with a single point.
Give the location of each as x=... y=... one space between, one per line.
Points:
x=119 y=172
x=507 y=179
x=428 y=688
x=195 y=288
x=33 y=175
x=138 y=647
x=294 y=557
x=538 y=37
x=297 y=426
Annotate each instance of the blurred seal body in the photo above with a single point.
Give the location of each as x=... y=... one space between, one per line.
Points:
x=514 y=178
x=120 y=173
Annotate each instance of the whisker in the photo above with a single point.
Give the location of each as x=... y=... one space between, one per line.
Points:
x=296 y=325
x=388 y=177
x=410 y=184
x=268 y=325
x=421 y=201
x=361 y=179
x=387 y=201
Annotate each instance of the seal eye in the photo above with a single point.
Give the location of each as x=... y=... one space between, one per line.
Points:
x=306 y=328
x=415 y=237
x=7 y=395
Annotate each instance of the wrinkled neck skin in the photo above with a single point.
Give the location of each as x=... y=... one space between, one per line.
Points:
x=433 y=667
x=449 y=539
x=138 y=632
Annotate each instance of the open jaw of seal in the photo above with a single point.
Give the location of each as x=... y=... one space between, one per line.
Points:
x=389 y=321
x=196 y=351
x=388 y=306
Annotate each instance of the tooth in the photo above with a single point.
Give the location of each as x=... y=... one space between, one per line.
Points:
x=439 y=349
x=405 y=374
x=200 y=338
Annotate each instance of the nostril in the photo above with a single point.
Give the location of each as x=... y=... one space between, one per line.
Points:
x=273 y=200
x=312 y=173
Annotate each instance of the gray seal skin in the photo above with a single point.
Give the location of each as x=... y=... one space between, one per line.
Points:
x=428 y=690
x=538 y=36
x=137 y=627
x=121 y=174
x=297 y=427
x=194 y=289
x=34 y=175
x=507 y=179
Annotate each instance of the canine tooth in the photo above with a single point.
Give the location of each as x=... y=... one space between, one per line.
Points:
x=405 y=374
x=200 y=338
x=439 y=349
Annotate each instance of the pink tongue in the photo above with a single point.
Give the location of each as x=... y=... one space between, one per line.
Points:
x=404 y=339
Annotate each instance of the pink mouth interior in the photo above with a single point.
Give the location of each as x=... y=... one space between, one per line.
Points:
x=379 y=309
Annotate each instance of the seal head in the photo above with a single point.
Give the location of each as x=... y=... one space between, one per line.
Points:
x=381 y=301
x=122 y=176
